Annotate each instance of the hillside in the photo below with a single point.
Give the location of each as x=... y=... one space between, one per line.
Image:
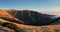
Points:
x=27 y=28
x=32 y=17
x=4 y=14
x=27 y=17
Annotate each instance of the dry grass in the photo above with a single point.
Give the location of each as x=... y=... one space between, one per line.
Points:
x=28 y=28
x=4 y=13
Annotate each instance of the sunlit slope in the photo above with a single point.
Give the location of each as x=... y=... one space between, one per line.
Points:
x=28 y=28
x=4 y=13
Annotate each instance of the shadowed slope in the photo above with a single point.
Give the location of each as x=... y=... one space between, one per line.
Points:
x=56 y=21
x=32 y=17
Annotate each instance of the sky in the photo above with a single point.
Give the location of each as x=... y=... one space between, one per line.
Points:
x=46 y=6
x=30 y=4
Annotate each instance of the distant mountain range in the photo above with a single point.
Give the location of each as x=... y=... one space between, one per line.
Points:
x=28 y=17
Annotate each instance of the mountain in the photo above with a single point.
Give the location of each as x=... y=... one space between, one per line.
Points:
x=32 y=17
x=27 y=17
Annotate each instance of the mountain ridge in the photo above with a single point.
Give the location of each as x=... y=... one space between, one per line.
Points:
x=31 y=17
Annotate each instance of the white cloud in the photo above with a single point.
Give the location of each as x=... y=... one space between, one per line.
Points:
x=52 y=11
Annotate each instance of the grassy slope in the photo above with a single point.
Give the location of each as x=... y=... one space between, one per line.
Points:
x=4 y=13
x=29 y=28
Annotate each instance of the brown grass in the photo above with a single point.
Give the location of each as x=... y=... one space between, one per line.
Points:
x=28 y=28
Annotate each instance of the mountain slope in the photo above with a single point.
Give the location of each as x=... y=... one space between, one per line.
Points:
x=7 y=16
x=32 y=17
x=28 y=28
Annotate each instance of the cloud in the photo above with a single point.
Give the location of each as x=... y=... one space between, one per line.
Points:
x=52 y=11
